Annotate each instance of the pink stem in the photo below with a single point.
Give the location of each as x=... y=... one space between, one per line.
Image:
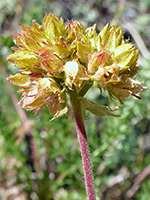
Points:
x=83 y=146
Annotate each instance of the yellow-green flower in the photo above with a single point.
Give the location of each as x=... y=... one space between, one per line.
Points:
x=55 y=57
x=113 y=67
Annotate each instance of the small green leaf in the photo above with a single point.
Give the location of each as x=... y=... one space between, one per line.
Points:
x=97 y=110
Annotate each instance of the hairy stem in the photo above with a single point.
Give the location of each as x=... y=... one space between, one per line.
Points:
x=83 y=145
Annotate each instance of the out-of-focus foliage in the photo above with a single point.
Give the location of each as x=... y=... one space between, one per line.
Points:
x=119 y=146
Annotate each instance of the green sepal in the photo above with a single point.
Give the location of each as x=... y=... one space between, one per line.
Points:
x=19 y=79
x=83 y=50
x=61 y=112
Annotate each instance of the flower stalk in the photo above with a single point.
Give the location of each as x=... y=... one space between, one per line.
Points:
x=81 y=132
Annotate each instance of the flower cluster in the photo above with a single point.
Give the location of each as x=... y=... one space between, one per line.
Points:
x=55 y=58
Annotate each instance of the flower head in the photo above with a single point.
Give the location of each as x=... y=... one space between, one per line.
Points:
x=55 y=57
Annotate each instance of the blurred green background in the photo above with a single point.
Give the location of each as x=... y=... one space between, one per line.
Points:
x=119 y=147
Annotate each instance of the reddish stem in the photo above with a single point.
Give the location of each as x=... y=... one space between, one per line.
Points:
x=83 y=146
